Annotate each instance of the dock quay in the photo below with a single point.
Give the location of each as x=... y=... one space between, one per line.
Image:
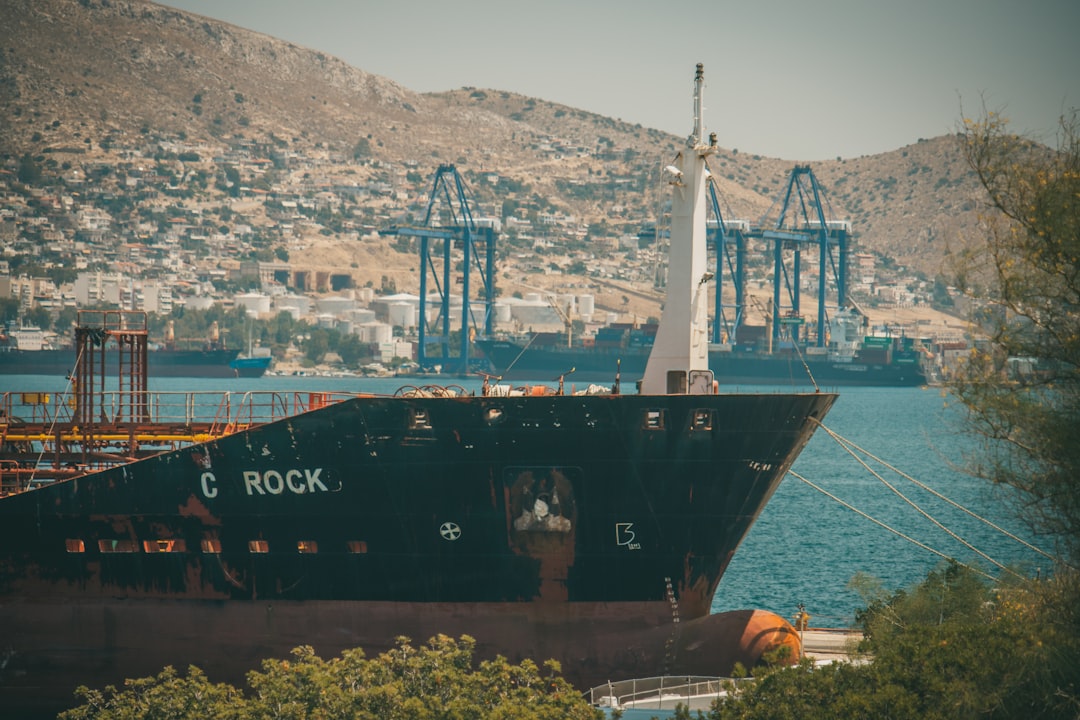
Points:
x=829 y=644
x=659 y=697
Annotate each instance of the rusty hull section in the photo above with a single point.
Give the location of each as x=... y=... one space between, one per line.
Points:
x=60 y=646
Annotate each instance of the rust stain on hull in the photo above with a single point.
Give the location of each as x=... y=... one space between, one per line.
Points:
x=96 y=643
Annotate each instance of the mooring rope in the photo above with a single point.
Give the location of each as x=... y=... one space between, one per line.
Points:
x=806 y=367
x=935 y=493
x=893 y=530
x=514 y=362
x=916 y=507
x=850 y=448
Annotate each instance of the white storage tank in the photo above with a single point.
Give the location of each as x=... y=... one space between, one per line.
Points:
x=335 y=305
x=375 y=332
x=402 y=315
x=256 y=303
x=586 y=305
x=502 y=313
x=298 y=305
x=361 y=315
x=198 y=302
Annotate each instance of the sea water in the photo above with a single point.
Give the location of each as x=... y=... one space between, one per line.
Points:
x=805 y=548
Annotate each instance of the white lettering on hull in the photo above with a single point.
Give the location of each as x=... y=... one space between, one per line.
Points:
x=625 y=536
x=297 y=481
x=208 y=488
x=273 y=482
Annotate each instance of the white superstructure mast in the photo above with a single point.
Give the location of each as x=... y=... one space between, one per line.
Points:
x=679 y=361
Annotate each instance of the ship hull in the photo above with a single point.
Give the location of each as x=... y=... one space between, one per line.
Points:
x=94 y=644
x=162 y=363
x=250 y=367
x=512 y=361
x=589 y=529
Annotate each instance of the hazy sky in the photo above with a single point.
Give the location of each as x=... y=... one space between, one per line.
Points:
x=793 y=79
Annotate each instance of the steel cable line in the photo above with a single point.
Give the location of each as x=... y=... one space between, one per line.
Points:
x=849 y=446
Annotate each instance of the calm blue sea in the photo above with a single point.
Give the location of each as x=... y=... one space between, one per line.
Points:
x=805 y=547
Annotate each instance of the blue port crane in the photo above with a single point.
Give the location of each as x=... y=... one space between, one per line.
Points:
x=449 y=220
x=800 y=222
x=729 y=241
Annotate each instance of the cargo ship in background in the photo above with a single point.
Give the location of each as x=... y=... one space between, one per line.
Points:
x=26 y=351
x=849 y=359
x=253 y=363
x=590 y=527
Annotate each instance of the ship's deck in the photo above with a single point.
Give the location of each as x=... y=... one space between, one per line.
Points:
x=48 y=436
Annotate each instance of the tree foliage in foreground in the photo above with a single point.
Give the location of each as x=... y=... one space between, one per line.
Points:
x=433 y=682
x=1022 y=391
x=951 y=648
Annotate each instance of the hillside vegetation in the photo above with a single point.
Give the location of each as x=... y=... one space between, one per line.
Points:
x=80 y=78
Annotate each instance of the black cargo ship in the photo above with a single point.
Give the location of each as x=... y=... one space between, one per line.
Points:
x=896 y=364
x=207 y=363
x=589 y=528
x=577 y=527
x=211 y=359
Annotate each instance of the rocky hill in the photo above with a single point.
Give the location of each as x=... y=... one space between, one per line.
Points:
x=82 y=74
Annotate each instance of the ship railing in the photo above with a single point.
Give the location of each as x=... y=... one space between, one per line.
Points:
x=239 y=411
x=44 y=439
x=32 y=407
x=12 y=481
x=223 y=411
x=663 y=692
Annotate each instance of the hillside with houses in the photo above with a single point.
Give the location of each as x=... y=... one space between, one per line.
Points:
x=135 y=173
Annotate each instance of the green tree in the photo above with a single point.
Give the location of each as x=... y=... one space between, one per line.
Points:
x=231 y=184
x=317 y=344
x=29 y=173
x=941 y=296
x=951 y=647
x=435 y=681
x=283 y=329
x=1026 y=278
x=168 y=695
x=60 y=275
x=65 y=319
x=9 y=310
x=351 y=349
x=432 y=681
x=362 y=149
x=39 y=316
x=578 y=267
